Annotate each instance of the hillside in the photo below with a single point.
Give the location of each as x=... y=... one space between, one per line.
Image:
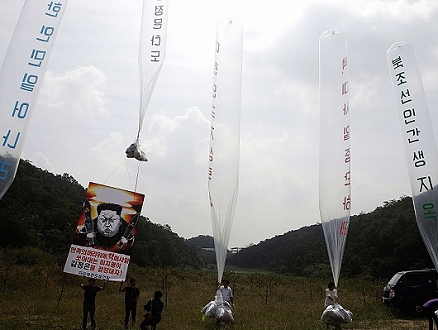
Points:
x=379 y=244
x=201 y=241
x=41 y=211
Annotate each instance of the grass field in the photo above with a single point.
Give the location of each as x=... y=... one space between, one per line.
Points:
x=42 y=298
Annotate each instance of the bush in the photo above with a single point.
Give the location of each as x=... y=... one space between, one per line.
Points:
x=26 y=256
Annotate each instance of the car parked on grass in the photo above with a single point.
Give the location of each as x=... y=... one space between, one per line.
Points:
x=409 y=290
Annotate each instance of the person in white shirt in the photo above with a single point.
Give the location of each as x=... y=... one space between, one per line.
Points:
x=331 y=295
x=227 y=293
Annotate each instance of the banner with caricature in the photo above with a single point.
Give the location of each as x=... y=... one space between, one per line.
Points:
x=105 y=233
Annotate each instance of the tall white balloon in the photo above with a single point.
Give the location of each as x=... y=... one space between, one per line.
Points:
x=21 y=77
x=223 y=173
x=419 y=140
x=334 y=149
x=151 y=55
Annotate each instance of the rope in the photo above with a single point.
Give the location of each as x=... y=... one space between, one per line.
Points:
x=136 y=177
x=127 y=171
x=114 y=170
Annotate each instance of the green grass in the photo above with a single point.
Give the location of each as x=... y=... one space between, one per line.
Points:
x=29 y=300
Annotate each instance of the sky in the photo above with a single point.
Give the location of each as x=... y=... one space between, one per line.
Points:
x=88 y=107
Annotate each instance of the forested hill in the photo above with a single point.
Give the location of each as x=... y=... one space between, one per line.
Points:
x=40 y=212
x=378 y=244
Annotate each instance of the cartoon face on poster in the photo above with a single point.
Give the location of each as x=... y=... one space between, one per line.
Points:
x=105 y=233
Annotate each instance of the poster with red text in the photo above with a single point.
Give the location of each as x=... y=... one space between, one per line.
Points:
x=105 y=233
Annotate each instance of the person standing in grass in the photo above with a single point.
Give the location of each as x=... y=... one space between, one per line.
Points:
x=430 y=307
x=227 y=295
x=132 y=293
x=227 y=292
x=89 y=306
x=331 y=294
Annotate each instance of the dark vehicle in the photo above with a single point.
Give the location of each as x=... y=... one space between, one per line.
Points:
x=409 y=290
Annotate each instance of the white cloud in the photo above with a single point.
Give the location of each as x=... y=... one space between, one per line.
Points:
x=105 y=150
x=87 y=111
x=78 y=92
x=42 y=161
x=400 y=10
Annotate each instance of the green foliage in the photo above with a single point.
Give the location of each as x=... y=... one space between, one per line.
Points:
x=379 y=244
x=42 y=298
x=202 y=241
x=40 y=212
x=26 y=256
x=158 y=246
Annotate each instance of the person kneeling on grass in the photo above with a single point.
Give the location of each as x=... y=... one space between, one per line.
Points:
x=155 y=306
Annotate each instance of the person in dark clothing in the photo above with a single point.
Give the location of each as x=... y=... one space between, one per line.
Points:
x=430 y=307
x=89 y=306
x=155 y=306
x=132 y=293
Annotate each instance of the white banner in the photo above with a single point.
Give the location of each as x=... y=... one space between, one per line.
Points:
x=151 y=55
x=21 y=78
x=98 y=264
x=152 y=52
x=418 y=139
x=334 y=148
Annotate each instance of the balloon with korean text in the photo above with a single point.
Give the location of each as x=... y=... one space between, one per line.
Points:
x=21 y=77
x=152 y=51
x=223 y=173
x=334 y=148
x=418 y=139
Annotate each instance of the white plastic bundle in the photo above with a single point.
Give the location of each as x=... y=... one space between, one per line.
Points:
x=209 y=310
x=134 y=151
x=336 y=315
x=218 y=309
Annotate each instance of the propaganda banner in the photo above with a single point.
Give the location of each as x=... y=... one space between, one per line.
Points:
x=21 y=77
x=105 y=233
x=418 y=139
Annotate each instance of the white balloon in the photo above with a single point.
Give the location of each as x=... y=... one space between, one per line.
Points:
x=334 y=149
x=223 y=173
x=419 y=140
x=21 y=77
x=151 y=55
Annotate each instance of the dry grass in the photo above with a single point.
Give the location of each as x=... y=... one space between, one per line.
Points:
x=29 y=300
